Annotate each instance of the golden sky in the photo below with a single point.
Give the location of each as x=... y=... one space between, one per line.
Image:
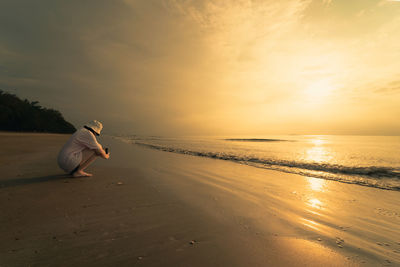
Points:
x=197 y=67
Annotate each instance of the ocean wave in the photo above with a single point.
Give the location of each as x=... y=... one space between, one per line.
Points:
x=374 y=176
x=255 y=140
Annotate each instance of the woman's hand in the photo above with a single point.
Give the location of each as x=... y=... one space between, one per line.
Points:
x=102 y=153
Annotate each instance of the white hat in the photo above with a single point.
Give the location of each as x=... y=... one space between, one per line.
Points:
x=96 y=126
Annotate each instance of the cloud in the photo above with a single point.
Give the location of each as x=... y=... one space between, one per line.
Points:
x=188 y=66
x=389 y=88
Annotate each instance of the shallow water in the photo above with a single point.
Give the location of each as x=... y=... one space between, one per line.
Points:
x=358 y=222
x=366 y=160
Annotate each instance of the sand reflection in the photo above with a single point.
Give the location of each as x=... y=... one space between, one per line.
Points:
x=315 y=203
x=310 y=223
x=316 y=184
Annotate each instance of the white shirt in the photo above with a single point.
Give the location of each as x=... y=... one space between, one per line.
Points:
x=70 y=155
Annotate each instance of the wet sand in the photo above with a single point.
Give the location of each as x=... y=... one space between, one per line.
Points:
x=153 y=208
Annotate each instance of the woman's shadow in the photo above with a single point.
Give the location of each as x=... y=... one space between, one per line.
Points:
x=25 y=181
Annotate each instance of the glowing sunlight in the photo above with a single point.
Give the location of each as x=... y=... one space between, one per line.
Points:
x=318 y=91
x=318 y=152
x=316 y=184
x=315 y=203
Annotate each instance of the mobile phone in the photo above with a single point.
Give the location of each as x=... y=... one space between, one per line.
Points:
x=106 y=149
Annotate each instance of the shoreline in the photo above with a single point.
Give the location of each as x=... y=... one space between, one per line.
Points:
x=382 y=177
x=145 y=207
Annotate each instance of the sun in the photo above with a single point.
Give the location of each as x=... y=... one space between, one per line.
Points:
x=319 y=90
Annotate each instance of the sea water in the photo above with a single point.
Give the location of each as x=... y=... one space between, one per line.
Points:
x=365 y=160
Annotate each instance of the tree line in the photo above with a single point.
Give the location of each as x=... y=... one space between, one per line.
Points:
x=25 y=116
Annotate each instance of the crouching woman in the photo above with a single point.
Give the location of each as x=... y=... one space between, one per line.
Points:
x=81 y=150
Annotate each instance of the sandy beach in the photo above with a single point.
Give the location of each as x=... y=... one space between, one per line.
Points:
x=152 y=208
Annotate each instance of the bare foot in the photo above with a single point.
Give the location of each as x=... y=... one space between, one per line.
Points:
x=81 y=174
x=87 y=174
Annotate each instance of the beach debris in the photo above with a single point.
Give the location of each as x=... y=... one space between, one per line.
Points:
x=140 y=257
x=192 y=242
x=339 y=242
x=319 y=239
x=119 y=183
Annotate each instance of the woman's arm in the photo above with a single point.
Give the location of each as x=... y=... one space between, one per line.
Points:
x=102 y=153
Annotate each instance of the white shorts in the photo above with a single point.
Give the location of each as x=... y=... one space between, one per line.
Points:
x=71 y=162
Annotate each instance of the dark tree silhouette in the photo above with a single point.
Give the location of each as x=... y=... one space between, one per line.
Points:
x=24 y=116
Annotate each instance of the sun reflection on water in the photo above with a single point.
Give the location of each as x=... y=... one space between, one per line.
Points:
x=315 y=203
x=316 y=184
x=318 y=141
x=318 y=152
